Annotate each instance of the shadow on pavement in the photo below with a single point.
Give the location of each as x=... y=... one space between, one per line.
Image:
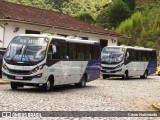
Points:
x=62 y=88
x=129 y=79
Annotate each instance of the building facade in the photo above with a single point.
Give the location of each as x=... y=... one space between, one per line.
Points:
x=18 y=19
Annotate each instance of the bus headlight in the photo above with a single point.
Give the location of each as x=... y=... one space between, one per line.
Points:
x=38 y=68
x=5 y=68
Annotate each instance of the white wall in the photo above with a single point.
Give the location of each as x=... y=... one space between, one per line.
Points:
x=10 y=34
x=10 y=30
x=1 y=36
x=94 y=37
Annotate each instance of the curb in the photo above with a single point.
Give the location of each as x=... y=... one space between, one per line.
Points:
x=4 y=82
x=156 y=105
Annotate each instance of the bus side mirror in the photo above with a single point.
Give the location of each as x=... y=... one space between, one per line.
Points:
x=127 y=54
x=66 y=57
x=53 y=49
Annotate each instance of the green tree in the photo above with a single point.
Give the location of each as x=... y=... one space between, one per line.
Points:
x=132 y=27
x=35 y=3
x=118 y=12
x=85 y=17
x=76 y=7
x=150 y=44
x=131 y=4
x=114 y=14
x=143 y=29
x=57 y=4
x=103 y=19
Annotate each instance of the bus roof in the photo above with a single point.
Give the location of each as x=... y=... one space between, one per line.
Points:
x=131 y=47
x=67 y=39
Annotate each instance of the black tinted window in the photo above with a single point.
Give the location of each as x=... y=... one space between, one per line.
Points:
x=72 y=51
x=1 y=55
x=88 y=52
x=95 y=52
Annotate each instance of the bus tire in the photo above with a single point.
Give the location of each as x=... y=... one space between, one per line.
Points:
x=48 y=86
x=14 y=85
x=82 y=83
x=105 y=76
x=125 y=76
x=145 y=75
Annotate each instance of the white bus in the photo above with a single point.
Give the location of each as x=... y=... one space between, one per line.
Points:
x=46 y=61
x=127 y=61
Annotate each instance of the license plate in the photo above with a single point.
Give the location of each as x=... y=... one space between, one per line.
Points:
x=108 y=71
x=18 y=77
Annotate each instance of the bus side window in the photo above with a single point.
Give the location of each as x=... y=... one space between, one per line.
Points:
x=131 y=55
x=153 y=56
x=72 y=51
x=139 y=57
x=95 y=52
x=53 y=52
x=87 y=52
x=148 y=55
x=64 y=50
x=143 y=56
x=80 y=51
x=1 y=55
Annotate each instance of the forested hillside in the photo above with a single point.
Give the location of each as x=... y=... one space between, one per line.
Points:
x=139 y=19
x=143 y=26
x=140 y=3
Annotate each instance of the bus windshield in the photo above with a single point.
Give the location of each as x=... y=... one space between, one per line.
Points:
x=26 y=49
x=112 y=55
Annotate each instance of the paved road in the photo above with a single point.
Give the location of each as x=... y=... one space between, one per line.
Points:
x=111 y=94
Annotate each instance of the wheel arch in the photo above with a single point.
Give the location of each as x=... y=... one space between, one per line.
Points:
x=86 y=76
x=51 y=78
x=146 y=71
x=126 y=71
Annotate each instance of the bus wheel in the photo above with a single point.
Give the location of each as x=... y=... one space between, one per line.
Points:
x=125 y=76
x=105 y=76
x=82 y=83
x=14 y=85
x=145 y=75
x=48 y=86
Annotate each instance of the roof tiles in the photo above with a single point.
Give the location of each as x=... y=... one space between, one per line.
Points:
x=12 y=11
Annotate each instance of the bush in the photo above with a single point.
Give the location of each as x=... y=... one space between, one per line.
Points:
x=85 y=17
x=114 y=14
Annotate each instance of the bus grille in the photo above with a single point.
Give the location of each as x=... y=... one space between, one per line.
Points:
x=20 y=72
x=113 y=71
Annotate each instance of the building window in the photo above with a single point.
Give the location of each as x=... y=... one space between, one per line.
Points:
x=103 y=43
x=1 y=36
x=62 y=35
x=32 y=32
x=84 y=38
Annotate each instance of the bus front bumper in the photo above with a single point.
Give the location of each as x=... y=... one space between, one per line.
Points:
x=36 y=79
x=113 y=73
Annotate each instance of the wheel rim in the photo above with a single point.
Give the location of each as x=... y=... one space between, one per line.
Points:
x=83 y=81
x=48 y=85
x=124 y=76
x=145 y=74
